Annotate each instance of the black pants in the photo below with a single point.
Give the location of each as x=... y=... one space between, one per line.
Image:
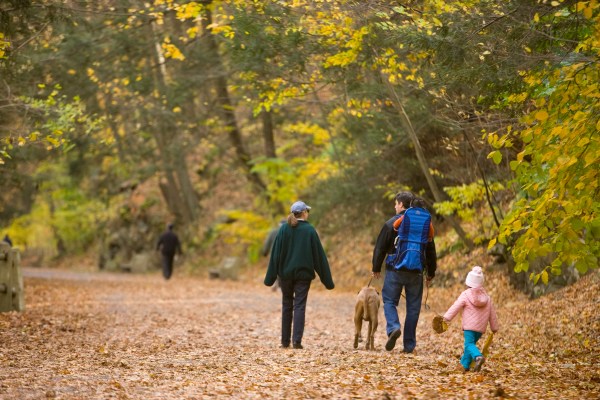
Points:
x=167 y=264
x=293 y=307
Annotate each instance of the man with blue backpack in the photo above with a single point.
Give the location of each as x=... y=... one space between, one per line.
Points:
x=406 y=244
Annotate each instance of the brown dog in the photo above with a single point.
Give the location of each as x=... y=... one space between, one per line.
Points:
x=367 y=308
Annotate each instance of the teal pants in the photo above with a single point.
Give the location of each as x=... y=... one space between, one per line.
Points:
x=471 y=350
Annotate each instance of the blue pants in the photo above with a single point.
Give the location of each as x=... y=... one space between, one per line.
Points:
x=293 y=307
x=394 y=283
x=471 y=350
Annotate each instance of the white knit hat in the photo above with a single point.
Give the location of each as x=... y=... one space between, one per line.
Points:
x=475 y=277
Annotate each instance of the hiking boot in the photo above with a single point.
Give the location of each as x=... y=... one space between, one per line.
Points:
x=298 y=346
x=478 y=363
x=391 y=342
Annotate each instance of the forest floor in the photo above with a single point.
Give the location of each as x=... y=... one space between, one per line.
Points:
x=99 y=335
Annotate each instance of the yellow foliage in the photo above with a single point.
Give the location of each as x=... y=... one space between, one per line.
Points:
x=248 y=229
x=172 y=51
x=189 y=11
x=559 y=214
x=320 y=136
x=4 y=44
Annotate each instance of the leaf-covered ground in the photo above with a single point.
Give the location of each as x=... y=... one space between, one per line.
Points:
x=103 y=336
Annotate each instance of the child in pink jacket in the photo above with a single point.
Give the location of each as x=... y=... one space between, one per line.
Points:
x=478 y=310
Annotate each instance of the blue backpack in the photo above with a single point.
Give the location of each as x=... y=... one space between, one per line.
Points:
x=413 y=235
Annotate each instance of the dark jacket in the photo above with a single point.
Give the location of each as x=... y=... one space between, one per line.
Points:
x=385 y=242
x=297 y=254
x=7 y=240
x=385 y=246
x=168 y=243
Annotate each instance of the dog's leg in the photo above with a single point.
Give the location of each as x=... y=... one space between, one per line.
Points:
x=372 y=331
x=373 y=309
x=369 y=344
x=358 y=315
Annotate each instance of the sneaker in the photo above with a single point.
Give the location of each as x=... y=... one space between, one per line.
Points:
x=478 y=363
x=391 y=343
x=285 y=346
x=298 y=346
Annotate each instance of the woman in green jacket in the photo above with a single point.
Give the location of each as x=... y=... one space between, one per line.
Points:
x=296 y=255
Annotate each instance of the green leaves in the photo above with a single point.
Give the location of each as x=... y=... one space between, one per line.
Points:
x=59 y=121
x=496 y=156
x=559 y=208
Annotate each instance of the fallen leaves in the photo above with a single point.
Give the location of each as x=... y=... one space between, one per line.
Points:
x=142 y=337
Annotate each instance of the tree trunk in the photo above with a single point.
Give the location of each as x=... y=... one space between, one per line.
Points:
x=177 y=188
x=226 y=106
x=168 y=185
x=115 y=132
x=268 y=135
x=190 y=197
x=488 y=192
x=437 y=193
x=169 y=194
x=269 y=140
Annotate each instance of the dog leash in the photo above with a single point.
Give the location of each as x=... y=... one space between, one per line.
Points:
x=426 y=296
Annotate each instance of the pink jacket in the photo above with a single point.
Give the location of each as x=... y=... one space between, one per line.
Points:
x=477 y=308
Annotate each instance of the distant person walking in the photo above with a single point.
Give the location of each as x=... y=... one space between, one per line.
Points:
x=477 y=311
x=168 y=244
x=270 y=239
x=268 y=246
x=7 y=240
x=296 y=256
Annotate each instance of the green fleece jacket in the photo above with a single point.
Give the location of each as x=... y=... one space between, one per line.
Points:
x=297 y=254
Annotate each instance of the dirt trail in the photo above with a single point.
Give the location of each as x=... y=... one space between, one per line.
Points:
x=101 y=336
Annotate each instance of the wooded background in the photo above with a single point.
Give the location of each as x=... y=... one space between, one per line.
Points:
x=117 y=117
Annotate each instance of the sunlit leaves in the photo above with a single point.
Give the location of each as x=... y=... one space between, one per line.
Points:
x=59 y=121
x=172 y=51
x=4 y=44
x=541 y=115
x=560 y=208
x=496 y=156
x=465 y=200
x=189 y=10
x=248 y=231
x=353 y=45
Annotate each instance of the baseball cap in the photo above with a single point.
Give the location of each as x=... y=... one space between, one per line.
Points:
x=299 y=206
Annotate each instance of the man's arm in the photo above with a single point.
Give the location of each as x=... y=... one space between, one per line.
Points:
x=385 y=241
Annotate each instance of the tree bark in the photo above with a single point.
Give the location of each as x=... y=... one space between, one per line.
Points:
x=226 y=108
x=437 y=193
x=488 y=191
x=268 y=135
x=178 y=190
